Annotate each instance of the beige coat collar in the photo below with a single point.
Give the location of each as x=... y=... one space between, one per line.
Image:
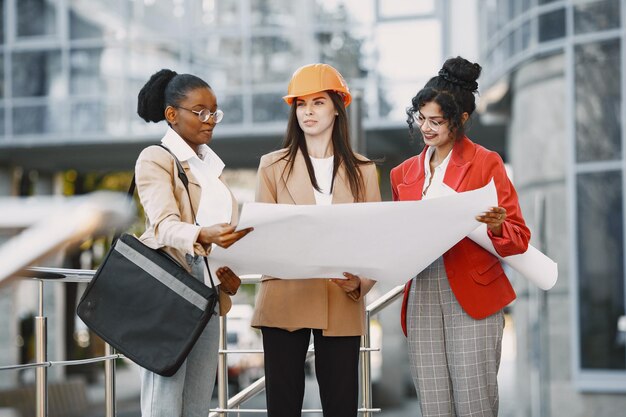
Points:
x=301 y=190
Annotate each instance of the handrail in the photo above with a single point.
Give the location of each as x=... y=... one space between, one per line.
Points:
x=259 y=385
x=226 y=406
x=49 y=364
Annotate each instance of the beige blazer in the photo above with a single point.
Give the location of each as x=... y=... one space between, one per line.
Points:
x=309 y=303
x=169 y=217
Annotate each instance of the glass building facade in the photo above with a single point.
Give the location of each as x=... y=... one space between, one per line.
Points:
x=523 y=41
x=70 y=70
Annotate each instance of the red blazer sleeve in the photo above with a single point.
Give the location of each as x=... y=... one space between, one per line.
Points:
x=515 y=233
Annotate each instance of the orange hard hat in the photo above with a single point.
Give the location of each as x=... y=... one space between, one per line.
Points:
x=314 y=78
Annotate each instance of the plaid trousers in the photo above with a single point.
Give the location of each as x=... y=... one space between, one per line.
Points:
x=454 y=358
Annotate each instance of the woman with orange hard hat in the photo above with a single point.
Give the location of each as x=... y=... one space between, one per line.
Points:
x=315 y=166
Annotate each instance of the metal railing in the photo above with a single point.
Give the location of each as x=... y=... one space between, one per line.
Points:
x=225 y=405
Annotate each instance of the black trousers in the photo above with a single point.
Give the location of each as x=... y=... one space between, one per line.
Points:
x=336 y=368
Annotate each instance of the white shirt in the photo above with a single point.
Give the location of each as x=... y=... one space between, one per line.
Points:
x=323 y=169
x=215 y=198
x=436 y=188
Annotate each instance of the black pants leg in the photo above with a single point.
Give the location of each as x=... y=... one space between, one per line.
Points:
x=337 y=370
x=285 y=353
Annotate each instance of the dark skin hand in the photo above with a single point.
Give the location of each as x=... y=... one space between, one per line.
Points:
x=493 y=218
x=230 y=282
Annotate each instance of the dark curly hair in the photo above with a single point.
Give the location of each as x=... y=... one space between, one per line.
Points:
x=165 y=88
x=453 y=89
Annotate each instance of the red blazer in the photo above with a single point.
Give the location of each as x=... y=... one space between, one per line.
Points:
x=475 y=275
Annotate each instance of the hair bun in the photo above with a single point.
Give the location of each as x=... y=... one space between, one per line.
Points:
x=461 y=72
x=151 y=98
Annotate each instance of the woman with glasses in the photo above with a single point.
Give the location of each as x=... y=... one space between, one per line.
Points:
x=185 y=223
x=316 y=166
x=452 y=312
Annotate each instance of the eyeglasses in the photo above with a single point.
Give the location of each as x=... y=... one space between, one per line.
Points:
x=421 y=121
x=205 y=114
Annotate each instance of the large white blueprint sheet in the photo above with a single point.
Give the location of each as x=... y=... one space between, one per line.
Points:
x=390 y=241
x=532 y=264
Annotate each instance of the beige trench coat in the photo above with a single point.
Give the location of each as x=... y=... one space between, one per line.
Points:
x=309 y=303
x=169 y=217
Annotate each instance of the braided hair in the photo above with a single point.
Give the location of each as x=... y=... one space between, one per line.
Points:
x=453 y=89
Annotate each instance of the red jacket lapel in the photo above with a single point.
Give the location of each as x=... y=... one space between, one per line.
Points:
x=462 y=155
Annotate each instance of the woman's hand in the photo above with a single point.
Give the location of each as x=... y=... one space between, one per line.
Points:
x=230 y=282
x=350 y=284
x=493 y=219
x=222 y=234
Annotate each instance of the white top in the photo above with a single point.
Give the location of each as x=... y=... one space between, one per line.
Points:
x=437 y=186
x=323 y=169
x=215 y=198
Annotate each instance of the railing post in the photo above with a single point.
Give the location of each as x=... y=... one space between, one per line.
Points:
x=109 y=382
x=222 y=369
x=366 y=382
x=41 y=356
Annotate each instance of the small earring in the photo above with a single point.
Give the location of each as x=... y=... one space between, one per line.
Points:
x=336 y=114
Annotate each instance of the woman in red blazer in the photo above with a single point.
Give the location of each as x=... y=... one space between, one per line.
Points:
x=452 y=311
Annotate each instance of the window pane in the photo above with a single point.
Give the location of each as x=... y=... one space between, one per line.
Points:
x=269 y=108
x=35 y=18
x=526 y=33
x=147 y=57
x=81 y=27
x=273 y=59
x=394 y=98
x=165 y=19
x=85 y=71
x=597 y=95
x=98 y=19
x=273 y=12
x=36 y=74
x=2 y=124
x=87 y=118
x=403 y=8
x=39 y=119
x=1 y=75
x=510 y=44
x=513 y=7
x=215 y=13
x=596 y=15
x=490 y=18
x=503 y=16
x=232 y=106
x=1 y=21
x=98 y=117
x=343 y=51
x=600 y=269
x=354 y=11
x=552 y=25
x=218 y=60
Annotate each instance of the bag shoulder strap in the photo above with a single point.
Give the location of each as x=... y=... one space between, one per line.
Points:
x=182 y=175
